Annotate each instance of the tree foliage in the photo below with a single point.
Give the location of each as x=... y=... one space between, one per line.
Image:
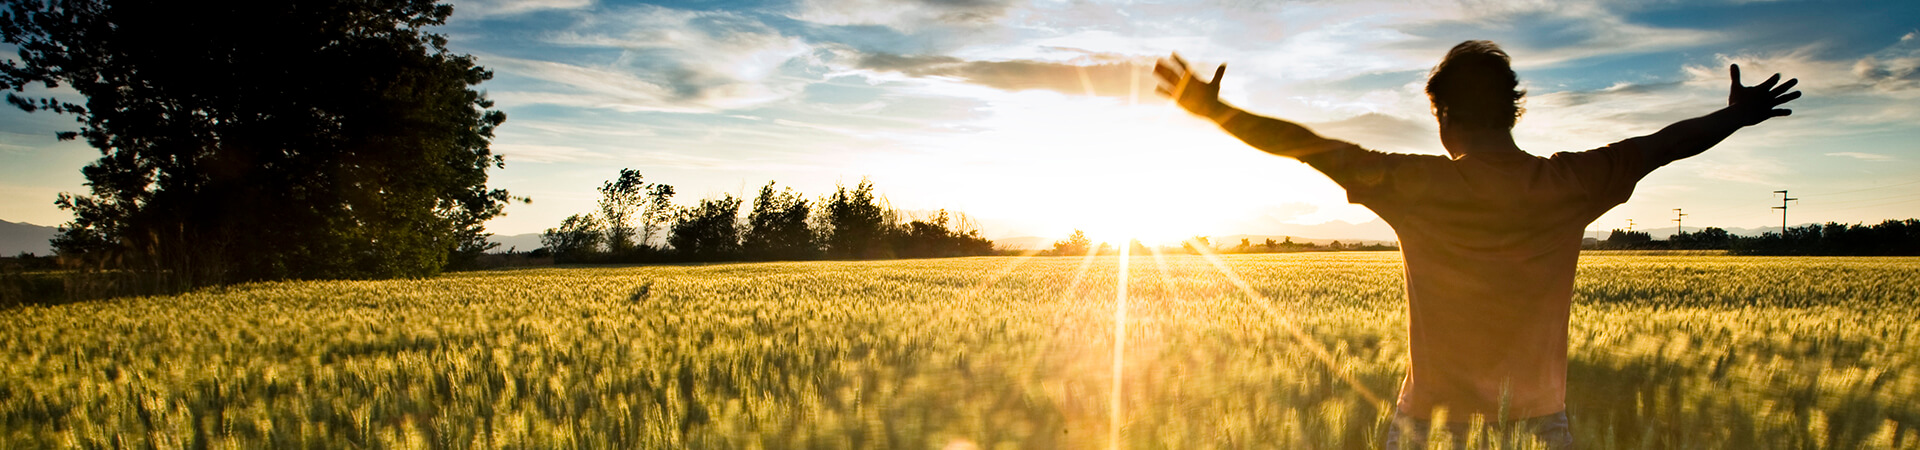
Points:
x=709 y=231
x=783 y=225
x=934 y=238
x=246 y=140
x=777 y=227
x=1888 y=238
x=577 y=239
x=633 y=210
x=1626 y=240
x=854 y=223
x=1076 y=244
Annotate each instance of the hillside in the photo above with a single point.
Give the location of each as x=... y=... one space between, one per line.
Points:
x=17 y=238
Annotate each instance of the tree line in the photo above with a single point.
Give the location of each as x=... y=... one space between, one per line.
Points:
x=637 y=221
x=1888 y=238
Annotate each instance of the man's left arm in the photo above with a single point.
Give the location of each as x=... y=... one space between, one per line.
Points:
x=1746 y=106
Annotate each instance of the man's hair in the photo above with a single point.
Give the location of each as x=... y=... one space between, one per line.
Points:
x=1475 y=86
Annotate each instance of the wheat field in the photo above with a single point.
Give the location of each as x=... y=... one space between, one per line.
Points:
x=1256 y=351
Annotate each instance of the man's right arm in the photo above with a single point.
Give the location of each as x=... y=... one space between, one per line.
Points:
x=1358 y=170
x=1202 y=98
x=1275 y=136
x=1746 y=106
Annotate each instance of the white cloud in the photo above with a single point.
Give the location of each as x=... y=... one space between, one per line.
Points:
x=485 y=8
x=906 y=15
x=1863 y=156
x=535 y=153
x=670 y=60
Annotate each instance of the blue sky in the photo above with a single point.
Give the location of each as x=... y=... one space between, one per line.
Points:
x=1036 y=118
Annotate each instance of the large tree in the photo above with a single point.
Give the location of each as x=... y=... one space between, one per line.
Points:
x=709 y=231
x=777 y=227
x=246 y=139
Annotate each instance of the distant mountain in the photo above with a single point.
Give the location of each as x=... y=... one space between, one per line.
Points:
x=16 y=238
x=516 y=242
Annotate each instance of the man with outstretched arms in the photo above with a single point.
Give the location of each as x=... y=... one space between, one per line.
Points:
x=1490 y=233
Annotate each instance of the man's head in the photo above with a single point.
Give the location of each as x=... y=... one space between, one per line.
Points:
x=1475 y=87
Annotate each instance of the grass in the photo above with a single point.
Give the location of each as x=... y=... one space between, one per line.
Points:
x=1667 y=352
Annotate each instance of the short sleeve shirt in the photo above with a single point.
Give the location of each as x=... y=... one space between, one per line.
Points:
x=1491 y=242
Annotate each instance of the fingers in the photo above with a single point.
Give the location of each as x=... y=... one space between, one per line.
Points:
x=1768 y=85
x=1184 y=67
x=1780 y=112
x=1219 y=73
x=1736 y=76
x=1784 y=87
x=1787 y=98
x=1165 y=72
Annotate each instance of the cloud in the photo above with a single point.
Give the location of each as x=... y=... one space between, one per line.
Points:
x=485 y=8
x=1552 y=33
x=1863 y=156
x=1896 y=68
x=905 y=15
x=1099 y=75
x=670 y=60
x=534 y=153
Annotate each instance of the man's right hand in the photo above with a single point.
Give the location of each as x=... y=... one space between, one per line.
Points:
x=1755 y=104
x=1178 y=82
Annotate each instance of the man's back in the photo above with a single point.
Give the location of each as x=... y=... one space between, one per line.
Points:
x=1491 y=241
x=1491 y=236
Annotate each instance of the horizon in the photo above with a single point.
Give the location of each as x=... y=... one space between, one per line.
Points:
x=1036 y=119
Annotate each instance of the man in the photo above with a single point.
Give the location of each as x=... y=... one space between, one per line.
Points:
x=1490 y=233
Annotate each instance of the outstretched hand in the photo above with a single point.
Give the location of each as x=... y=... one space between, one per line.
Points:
x=1178 y=82
x=1757 y=103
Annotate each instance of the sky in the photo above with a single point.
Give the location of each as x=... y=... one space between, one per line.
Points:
x=1039 y=118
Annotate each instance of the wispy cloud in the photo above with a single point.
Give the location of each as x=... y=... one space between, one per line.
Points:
x=669 y=60
x=534 y=153
x=1101 y=75
x=1863 y=156
x=487 y=8
x=907 y=15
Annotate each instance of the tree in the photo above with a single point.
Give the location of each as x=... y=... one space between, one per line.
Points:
x=934 y=237
x=1707 y=238
x=1076 y=244
x=658 y=211
x=777 y=227
x=246 y=140
x=621 y=200
x=1621 y=239
x=708 y=232
x=854 y=223
x=577 y=239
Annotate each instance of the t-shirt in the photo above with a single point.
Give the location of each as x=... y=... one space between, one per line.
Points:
x=1490 y=241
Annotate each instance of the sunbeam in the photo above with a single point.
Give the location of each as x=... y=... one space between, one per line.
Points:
x=1318 y=351
x=1117 y=418
x=990 y=280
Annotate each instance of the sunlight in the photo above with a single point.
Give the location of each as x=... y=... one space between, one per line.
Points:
x=1118 y=417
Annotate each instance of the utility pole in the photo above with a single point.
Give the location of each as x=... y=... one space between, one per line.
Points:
x=1629 y=225
x=1783 y=210
x=1677 y=226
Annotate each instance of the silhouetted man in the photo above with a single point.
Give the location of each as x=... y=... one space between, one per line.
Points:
x=1490 y=234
